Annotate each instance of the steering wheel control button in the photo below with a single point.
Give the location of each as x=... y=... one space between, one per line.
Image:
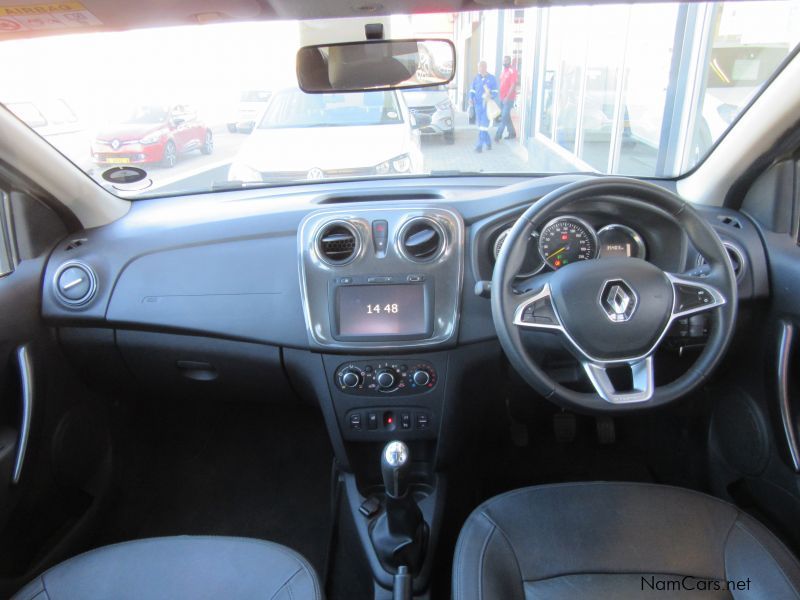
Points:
x=618 y=300
x=75 y=284
x=689 y=297
x=539 y=311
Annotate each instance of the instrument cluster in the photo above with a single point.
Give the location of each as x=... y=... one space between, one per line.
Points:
x=567 y=239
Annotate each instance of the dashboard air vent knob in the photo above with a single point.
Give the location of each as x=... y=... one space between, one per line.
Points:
x=337 y=243
x=75 y=284
x=422 y=239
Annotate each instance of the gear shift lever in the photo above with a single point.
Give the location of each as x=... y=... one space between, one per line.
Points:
x=395 y=467
x=400 y=534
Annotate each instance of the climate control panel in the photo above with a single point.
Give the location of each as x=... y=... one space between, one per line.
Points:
x=380 y=377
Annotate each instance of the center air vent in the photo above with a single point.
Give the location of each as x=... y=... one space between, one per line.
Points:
x=337 y=243
x=422 y=239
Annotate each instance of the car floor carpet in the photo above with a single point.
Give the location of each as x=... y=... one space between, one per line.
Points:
x=217 y=468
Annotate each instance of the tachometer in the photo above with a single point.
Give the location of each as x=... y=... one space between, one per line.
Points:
x=530 y=266
x=567 y=240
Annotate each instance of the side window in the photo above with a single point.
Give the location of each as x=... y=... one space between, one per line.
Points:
x=6 y=244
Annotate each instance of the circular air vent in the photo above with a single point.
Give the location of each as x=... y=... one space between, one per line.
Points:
x=421 y=239
x=337 y=243
x=736 y=257
x=74 y=284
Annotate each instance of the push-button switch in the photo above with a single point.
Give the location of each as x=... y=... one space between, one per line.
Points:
x=689 y=297
x=540 y=311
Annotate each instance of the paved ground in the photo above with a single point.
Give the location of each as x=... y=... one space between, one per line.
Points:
x=506 y=156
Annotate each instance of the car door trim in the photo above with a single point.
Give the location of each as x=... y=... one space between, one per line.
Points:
x=785 y=341
x=25 y=365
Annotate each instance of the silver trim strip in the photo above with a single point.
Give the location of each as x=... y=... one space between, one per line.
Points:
x=784 y=354
x=26 y=378
x=643 y=382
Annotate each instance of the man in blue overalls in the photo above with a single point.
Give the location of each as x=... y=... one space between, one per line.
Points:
x=484 y=86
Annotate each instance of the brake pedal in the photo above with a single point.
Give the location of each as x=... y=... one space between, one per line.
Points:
x=606 y=430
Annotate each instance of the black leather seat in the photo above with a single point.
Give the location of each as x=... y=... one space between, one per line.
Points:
x=173 y=568
x=617 y=540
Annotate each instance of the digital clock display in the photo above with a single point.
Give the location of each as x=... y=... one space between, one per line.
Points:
x=381 y=310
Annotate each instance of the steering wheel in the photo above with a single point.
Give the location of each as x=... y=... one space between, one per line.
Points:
x=613 y=312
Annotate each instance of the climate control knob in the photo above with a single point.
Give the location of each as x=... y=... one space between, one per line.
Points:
x=350 y=378
x=385 y=379
x=421 y=377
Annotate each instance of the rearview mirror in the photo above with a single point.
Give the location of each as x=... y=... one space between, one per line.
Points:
x=375 y=65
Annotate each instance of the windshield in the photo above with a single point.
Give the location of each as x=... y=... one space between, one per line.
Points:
x=633 y=89
x=293 y=108
x=146 y=115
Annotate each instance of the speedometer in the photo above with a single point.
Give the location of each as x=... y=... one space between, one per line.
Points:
x=567 y=240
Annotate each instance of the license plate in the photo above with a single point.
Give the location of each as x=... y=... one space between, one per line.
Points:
x=118 y=161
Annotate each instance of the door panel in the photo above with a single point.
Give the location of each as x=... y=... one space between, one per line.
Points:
x=755 y=458
x=48 y=497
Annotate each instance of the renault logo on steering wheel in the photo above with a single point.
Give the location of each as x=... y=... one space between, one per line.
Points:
x=618 y=300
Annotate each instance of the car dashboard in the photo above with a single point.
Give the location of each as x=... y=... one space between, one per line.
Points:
x=365 y=297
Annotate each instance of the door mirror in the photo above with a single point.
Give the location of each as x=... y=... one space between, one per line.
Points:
x=177 y=121
x=375 y=65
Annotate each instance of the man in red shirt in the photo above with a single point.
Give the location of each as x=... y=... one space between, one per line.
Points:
x=508 y=94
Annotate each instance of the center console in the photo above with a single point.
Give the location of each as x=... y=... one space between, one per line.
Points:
x=381 y=291
x=385 y=278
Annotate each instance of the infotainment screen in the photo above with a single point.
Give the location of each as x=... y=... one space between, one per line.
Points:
x=381 y=310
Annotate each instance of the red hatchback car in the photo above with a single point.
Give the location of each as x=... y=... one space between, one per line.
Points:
x=153 y=134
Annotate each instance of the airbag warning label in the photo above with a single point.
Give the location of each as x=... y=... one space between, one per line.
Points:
x=55 y=15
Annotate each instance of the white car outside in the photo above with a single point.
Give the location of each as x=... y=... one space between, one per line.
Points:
x=301 y=136
x=249 y=111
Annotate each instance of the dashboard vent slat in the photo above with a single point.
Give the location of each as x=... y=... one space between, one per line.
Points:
x=422 y=239
x=337 y=243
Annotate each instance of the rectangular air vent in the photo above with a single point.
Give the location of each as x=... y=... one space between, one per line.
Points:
x=730 y=221
x=77 y=243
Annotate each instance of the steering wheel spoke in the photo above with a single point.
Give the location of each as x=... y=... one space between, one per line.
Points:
x=693 y=295
x=642 y=387
x=535 y=310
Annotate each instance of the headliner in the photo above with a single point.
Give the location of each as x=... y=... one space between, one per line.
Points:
x=117 y=15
